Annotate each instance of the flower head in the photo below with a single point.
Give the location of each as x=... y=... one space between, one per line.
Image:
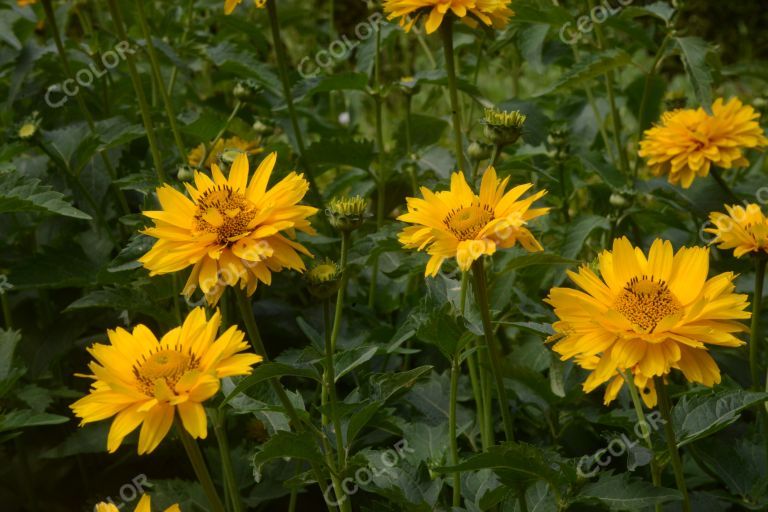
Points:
x=495 y=13
x=324 y=278
x=459 y=223
x=229 y=5
x=231 y=230
x=688 y=142
x=347 y=213
x=223 y=149
x=144 y=505
x=503 y=127
x=29 y=126
x=141 y=380
x=647 y=315
x=745 y=230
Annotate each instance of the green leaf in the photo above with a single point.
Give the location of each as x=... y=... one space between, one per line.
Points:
x=286 y=445
x=611 y=175
x=336 y=152
x=128 y=257
x=660 y=10
x=698 y=416
x=29 y=195
x=360 y=418
x=266 y=371
x=385 y=385
x=622 y=492
x=25 y=418
x=583 y=72
x=579 y=231
x=538 y=258
x=8 y=341
x=348 y=360
x=694 y=53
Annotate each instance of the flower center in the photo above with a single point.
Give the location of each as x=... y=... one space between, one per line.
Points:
x=645 y=302
x=224 y=212
x=466 y=222
x=168 y=365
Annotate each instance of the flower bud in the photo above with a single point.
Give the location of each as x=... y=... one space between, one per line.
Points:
x=323 y=278
x=29 y=126
x=185 y=173
x=503 y=127
x=347 y=213
x=479 y=151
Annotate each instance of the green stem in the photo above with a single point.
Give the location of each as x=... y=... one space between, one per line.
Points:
x=329 y=382
x=200 y=468
x=327 y=335
x=646 y=90
x=754 y=341
x=475 y=376
x=246 y=312
x=481 y=296
x=282 y=66
x=220 y=134
x=665 y=408
x=342 y=290
x=219 y=428
x=146 y=115
x=159 y=79
x=187 y=25
x=381 y=175
x=48 y=8
x=644 y=430
x=6 y=309
x=446 y=30
x=723 y=185
x=452 y=429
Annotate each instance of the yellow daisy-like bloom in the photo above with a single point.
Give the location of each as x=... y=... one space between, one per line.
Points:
x=227 y=149
x=144 y=505
x=647 y=315
x=459 y=223
x=142 y=381
x=495 y=13
x=745 y=230
x=232 y=230
x=688 y=142
x=229 y=5
x=24 y=3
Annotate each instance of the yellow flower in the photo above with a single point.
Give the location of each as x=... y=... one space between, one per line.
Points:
x=143 y=506
x=232 y=230
x=494 y=13
x=24 y=3
x=647 y=316
x=688 y=142
x=227 y=149
x=459 y=223
x=229 y=5
x=142 y=381
x=742 y=229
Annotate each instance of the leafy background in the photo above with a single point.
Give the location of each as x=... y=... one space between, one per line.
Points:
x=68 y=247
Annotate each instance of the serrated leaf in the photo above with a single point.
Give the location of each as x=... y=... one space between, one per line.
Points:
x=266 y=371
x=694 y=52
x=579 y=231
x=347 y=360
x=589 y=69
x=25 y=418
x=621 y=492
x=698 y=416
x=287 y=445
x=8 y=341
x=385 y=385
x=29 y=195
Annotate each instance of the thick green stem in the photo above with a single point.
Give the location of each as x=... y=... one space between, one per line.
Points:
x=644 y=429
x=342 y=290
x=159 y=79
x=219 y=428
x=198 y=465
x=282 y=66
x=475 y=376
x=481 y=296
x=665 y=408
x=187 y=25
x=220 y=134
x=452 y=429
x=327 y=326
x=146 y=115
x=446 y=30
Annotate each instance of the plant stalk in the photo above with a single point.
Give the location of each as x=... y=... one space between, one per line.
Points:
x=198 y=465
x=452 y=429
x=446 y=30
x=665 y=408
x=645 y=432
x=219 y=428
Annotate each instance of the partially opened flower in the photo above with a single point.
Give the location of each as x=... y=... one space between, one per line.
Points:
x=229 y=5
x=225 y=149
x=745 y=230
x=646 y=316
x=232 y=231
x=141 y=380
x=495 y=13
x=688 y=142
x=144 y=505
x=459 y=223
